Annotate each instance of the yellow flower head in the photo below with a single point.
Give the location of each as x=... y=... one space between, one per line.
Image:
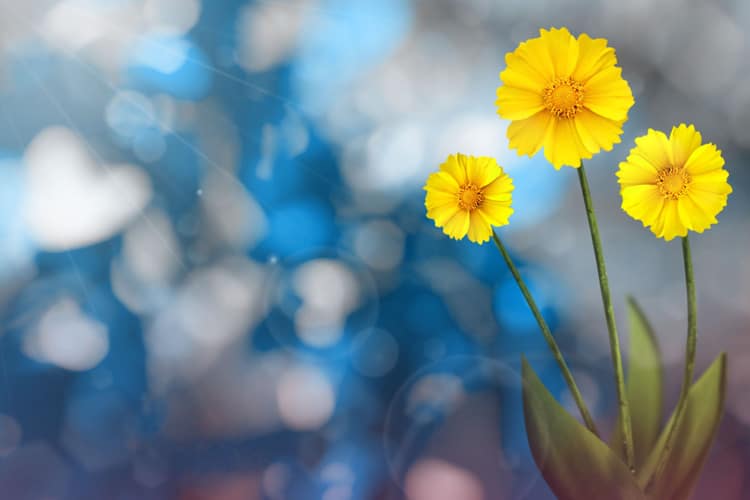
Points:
x=674 y=184
x=469 y=195
x=563 y=93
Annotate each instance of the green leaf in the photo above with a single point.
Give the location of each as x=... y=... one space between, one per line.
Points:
x=645 y=387
x=575 y=463
x=693 y=437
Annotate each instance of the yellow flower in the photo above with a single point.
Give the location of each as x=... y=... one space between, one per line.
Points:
x=469 y=195
x=563 y=93
x=674 y=184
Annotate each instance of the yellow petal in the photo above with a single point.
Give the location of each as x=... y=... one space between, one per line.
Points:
x=527 y=136
x=718 y=176
x=634 y=195
x=479 y=229
x=455 y=167
x=693 y=216
x=649 y=173
x=636 y=172
x=519 y=74
x=439 y=198
x=714 y=181
x=643 y=202
x=458 y=225
x=482 y=170
x=704 y=159
x=708 y=195
x=597 y=132
x=564 y=146
x=669 y=223
x=608 y=94
x=563 y=50
x=711 y=203
x=593 y=56
x=529 y=67
x=517 y=104
x=441 y=181
x=500 y=189
x=495 y=212
x=654 y=147
x=441 y=214
x=684 y=139
x=531 y=58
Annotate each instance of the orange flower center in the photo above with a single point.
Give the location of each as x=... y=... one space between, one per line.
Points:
x=673 y=182
x=563 y=97
x=470 y=197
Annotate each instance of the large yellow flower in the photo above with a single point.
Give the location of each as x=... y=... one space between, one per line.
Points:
x=469 y=195
x=563 y=93
x=674 y=184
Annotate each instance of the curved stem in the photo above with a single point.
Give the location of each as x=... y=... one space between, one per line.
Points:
x=690 y=348
x=567 y=375
x=609 y=313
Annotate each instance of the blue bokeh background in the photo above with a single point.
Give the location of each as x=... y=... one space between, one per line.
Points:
x=217 y=280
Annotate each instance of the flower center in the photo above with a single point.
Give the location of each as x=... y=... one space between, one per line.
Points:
x=470 y=197
x=673 y=182
x=563 y=97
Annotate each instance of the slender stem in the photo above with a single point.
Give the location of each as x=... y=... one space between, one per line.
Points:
x=690 y=347
x=609 y=313
x=567 y=375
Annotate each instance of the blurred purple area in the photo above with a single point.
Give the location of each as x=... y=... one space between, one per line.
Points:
x=217 y=280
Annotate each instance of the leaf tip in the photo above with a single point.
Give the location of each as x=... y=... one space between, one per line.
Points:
x=723 y=359
x=524 y=362
x=723 y=362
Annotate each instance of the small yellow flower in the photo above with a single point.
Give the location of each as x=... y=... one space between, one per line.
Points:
x=563 y=93
x=469 y=195
x=674 y=184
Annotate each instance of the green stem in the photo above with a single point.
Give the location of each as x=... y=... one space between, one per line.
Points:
x=567 y=375
x=609 y=313
x=692 y=337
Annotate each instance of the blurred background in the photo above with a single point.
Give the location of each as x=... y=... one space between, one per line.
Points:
x=217 y=280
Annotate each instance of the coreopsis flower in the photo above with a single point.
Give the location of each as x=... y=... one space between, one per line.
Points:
x=565 y=94
x=674 y=184
x=468 y=196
